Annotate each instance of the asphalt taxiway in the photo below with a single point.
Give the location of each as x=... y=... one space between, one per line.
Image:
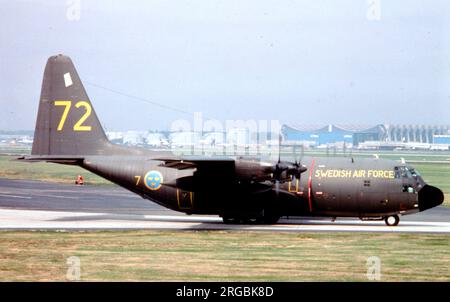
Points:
x=31 y=205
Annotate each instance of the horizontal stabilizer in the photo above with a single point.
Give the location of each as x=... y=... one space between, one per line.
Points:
x=61 y=159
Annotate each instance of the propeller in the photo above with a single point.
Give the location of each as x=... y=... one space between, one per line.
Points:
x=284 y=170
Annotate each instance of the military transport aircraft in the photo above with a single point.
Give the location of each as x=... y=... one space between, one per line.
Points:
x=240 y=190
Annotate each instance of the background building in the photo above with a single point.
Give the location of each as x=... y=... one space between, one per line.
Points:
x=441 y=139
x=415 y=133
x=353 y=135
x=332 y=134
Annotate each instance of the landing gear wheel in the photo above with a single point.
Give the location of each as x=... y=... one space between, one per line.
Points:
x=234 y=220
x=229 y=220
x=251 y=221
x=392 y=220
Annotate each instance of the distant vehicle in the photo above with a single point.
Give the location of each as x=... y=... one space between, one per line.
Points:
x=157 y=140
x=437 y=147
x=240 y=190
x=25 y=141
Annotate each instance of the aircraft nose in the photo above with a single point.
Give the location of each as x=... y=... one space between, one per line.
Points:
x=430 y=197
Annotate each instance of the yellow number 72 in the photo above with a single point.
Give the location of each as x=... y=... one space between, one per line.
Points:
x=78 y=126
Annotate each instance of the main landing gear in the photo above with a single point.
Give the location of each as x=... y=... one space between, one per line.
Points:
x=246 y=220
x=392 y=220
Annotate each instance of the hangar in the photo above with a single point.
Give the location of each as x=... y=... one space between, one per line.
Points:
x=332 y=134
x=441 y=139
x=415 y=133
x=352 y=135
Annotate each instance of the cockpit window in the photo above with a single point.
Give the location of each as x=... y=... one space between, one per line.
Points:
x=414 y=173
x=397 y=172
x=403 y=172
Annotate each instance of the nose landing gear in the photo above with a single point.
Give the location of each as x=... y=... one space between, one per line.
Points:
x=392 y=220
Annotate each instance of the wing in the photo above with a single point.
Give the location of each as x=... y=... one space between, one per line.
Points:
x=197 y=162
x=229 y=169
x=58 y=159
x=240 y=170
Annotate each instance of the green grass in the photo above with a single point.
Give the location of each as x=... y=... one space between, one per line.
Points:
x=12 y=149
x=437 y=175
x=222 y=256
x=13 y=169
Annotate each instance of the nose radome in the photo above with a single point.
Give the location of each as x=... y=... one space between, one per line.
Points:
x=430 y=197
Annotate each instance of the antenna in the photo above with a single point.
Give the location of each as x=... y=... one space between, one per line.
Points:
x=279 y=146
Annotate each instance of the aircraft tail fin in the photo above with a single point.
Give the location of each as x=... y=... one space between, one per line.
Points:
x=66 y=122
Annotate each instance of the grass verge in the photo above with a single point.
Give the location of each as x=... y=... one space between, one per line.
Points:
x=222 y=256
x=10 y=168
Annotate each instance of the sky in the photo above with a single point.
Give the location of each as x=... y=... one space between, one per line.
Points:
x=351 y=62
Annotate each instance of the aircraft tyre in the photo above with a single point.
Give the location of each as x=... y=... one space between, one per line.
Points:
x=248 y=220
x=230 y=220
x=392 y=220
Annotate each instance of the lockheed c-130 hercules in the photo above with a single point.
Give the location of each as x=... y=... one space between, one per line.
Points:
x=240 y=190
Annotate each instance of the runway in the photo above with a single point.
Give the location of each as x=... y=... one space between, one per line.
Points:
x=35 y=205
